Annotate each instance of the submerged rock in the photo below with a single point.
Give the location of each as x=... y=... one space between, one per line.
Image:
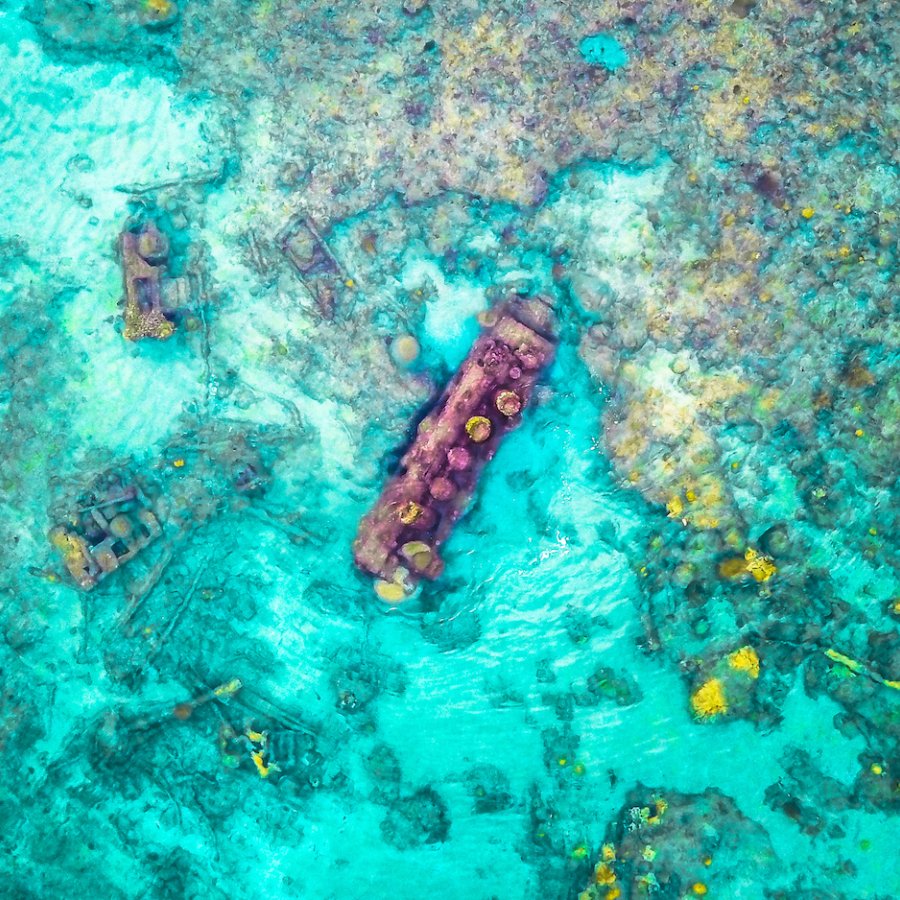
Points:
x=421 y=818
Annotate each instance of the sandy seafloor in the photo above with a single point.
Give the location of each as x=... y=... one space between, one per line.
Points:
x=451 y=746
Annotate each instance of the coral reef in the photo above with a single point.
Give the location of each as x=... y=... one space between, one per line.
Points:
x=672 y=845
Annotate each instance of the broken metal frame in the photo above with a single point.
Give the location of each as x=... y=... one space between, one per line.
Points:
x=93 y=546
x=309 y=278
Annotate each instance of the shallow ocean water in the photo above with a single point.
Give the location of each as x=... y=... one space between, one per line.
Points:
x=499 y=734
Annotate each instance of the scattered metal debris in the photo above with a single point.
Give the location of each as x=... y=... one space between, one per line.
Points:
x=184 y=601
x=859 y=668
x=272 y=749
x=206 y=176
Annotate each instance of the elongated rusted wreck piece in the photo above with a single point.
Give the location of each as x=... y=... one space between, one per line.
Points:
x=400 y=538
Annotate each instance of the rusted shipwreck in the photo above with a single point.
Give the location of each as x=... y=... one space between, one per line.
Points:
x=400 y=538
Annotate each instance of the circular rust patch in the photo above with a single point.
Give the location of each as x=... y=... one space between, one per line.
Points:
x=458 y=458
x=442 y=489
x=478 y=428
x=508 y=402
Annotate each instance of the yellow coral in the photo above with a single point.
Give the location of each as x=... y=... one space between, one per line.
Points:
x=769 y=399
x=261 y=766
x=410 y=512
x=660 y=806
x=745 y=660
x=478 y=428
x=844 y=660
x=761 y=567
x=391 y=591
x=604 y=874
x=704 y=521
x=733 y=568
x=229 y=688
x=709 y=699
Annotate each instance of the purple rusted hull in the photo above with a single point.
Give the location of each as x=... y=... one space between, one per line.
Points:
x=400 y=538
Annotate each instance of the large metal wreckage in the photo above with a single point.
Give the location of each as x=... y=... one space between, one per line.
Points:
x=400 y=538
x=122 y=515
x=149 y=514
x=252 y=734
x=112 y=522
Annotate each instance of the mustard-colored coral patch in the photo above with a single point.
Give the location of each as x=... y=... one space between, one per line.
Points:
x=709 y=699
x=753 y=563
x=762 y=568
x=604 y=874
x=745 y=660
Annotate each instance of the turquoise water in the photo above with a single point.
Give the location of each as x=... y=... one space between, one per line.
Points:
x=662 y=660
x=604 y=50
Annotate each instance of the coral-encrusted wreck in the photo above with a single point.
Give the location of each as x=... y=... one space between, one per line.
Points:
x=144 y=253
x=399 y=540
